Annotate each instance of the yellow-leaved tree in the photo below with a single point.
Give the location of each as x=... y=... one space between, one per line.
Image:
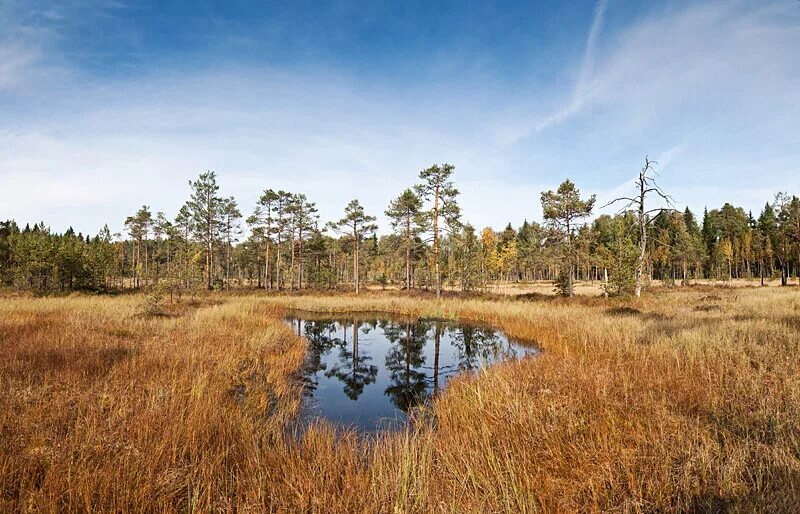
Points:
x=491 y=260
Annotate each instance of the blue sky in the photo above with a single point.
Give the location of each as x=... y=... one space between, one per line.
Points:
x=106 y=105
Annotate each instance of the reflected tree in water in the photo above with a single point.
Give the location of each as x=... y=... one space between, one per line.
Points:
x=418 y=356
x=478 y=346
x=437 y=340
x=353 y=369
x=408 y=385
x=321 y=336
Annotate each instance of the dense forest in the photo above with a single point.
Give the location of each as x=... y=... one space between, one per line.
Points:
x=430 y=246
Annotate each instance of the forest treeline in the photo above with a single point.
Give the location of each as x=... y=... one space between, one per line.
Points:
x=430 y=246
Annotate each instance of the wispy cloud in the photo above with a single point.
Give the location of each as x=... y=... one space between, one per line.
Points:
x=140 y=141
x=14 y=64
x=582 y=90
x=677 y=59
x=591 y=43
x=714 y=103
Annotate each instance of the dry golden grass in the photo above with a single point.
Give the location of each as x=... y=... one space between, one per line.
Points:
x=582 y=287
x=105 y=410
x=684 y=400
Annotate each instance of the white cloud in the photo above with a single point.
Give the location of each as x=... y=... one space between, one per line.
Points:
x=582 y=90
x=704 y=90
x=140 y=141
x=14 y=64
x=718 y=55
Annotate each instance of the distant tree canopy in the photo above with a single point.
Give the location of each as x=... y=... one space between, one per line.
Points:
x=429 y=246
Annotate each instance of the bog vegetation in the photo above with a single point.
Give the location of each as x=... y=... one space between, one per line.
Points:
x=685 y=399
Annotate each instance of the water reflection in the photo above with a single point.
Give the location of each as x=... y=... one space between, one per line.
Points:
x=369 y=371
x=404 y=360
x=353 y=368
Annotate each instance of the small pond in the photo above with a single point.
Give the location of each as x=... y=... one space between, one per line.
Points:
x=369 y=370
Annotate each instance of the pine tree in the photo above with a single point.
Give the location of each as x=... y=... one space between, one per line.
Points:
x=621 y=257
x=563 y=211
x=303 y=216
x=206 y=208
x=408 y=221
x=357 y=223
x=138 y=227
x=437 y=188
x=263 y=219
x=231 y=230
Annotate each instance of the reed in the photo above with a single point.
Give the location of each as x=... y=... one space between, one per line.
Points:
x=686 y=399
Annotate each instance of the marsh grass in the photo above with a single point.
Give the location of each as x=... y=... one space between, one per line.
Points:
x=642 y=406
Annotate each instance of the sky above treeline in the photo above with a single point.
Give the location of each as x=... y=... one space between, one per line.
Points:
x=106 y=105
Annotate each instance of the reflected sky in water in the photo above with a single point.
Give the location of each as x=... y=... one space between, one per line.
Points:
x=369 y=370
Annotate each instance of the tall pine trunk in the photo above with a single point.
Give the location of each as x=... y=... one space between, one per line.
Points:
x=408 y=254
x=267 y=276
x=355 y=257
x=436 y=243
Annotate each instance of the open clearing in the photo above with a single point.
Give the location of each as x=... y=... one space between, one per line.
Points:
x=684 y=399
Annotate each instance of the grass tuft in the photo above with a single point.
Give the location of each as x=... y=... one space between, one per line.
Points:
x=658 y=404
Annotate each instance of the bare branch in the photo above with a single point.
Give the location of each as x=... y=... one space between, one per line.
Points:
x=615 y=200
x=661 y=209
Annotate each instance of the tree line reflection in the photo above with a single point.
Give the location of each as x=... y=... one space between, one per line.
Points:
x=414 y=374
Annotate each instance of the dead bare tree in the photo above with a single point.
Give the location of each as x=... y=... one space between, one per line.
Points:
x=645 y=185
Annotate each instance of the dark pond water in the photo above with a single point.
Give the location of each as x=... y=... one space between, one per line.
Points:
x=368 y=371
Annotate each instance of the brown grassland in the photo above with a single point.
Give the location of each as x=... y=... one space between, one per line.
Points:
x=686 y=399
